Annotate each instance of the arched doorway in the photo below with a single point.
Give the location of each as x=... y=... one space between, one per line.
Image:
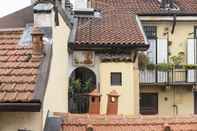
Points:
x=82 y=81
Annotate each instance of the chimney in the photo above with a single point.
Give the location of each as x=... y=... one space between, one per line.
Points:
x=43 y=16
x=94 y=102
x=37 y=41
x=167 y=4
x=112 y=105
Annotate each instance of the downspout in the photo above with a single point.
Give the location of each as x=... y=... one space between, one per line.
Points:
x=174 y=23
x=175 y=107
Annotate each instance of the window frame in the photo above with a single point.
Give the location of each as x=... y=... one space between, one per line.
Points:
x=116 y=82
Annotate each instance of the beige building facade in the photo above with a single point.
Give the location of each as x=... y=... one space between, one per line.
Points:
x=173 y=98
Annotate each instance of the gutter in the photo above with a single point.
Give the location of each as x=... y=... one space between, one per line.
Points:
x=141 y=29
x=20 y=107
x=168 y=18
x=73 y=32
x=108 y=46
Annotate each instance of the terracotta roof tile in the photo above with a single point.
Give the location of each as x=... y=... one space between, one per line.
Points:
x=75 y=122
x=118 y=24
x=18 y=73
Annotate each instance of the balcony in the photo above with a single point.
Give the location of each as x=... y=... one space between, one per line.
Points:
x=171 y=77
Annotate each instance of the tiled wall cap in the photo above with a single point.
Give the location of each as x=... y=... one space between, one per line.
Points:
x=113 y=93
x=95 y=92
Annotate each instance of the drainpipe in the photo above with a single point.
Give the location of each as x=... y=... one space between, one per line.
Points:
x=174 y=23
x=175 y=107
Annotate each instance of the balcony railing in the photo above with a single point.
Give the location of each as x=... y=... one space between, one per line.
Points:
x=173 y=76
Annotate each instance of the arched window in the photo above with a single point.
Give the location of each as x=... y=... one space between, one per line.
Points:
x=82 y=81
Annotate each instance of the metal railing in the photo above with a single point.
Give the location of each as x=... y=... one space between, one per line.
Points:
x=78 y=103
x=172 y=76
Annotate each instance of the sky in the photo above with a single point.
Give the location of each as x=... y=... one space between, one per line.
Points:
x=9 y=6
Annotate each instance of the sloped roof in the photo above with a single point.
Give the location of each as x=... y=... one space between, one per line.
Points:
x=19 y=71
x=118 y=24
x=18 y=19
x=76 y=122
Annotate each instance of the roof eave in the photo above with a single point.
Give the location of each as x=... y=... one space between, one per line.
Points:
x=108 y=46
x=20 y=107
x=167 y=14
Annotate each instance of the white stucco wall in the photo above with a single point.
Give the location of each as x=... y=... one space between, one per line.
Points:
x=56 y=94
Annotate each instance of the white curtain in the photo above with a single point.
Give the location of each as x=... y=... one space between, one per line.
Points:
x=162 y=57
x=152 y=51
x=149 y=76
x=191 y=58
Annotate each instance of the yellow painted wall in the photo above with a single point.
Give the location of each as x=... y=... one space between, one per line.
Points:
x=56 y=94
x=182 y=97
x=128 y=100
x=12 y=121
x=179 y=38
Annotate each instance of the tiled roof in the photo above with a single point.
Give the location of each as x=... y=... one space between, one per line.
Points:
x=77 y=122
x=18 y=73
x=118 y=24
x=18 y=19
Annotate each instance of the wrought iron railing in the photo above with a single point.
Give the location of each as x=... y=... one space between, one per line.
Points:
x=172 y=76
x=78 y=103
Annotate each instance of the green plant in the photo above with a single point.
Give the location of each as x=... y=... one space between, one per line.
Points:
x=87 y=85
x=143 y=60
x=190 y=66
x=75 y=85
x=177 y=59
x=150 y=66
x=164 y=66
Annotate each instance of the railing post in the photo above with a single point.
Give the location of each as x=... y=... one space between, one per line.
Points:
x=186 y=79
x=156 y=75
x=172 y=75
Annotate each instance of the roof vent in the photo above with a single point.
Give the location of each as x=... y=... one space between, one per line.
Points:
x=168 y=5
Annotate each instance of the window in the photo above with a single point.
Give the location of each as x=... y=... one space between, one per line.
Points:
x=116 y=78
x=149 y=103
x=150 y=31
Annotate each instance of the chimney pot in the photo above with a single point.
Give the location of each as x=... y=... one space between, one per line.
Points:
x=112 y=106
x=37 y=41
x=94 y=100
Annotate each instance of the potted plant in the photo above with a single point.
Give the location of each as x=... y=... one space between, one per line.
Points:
x=164 y=67
x=150 y=66
x=190 y=67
